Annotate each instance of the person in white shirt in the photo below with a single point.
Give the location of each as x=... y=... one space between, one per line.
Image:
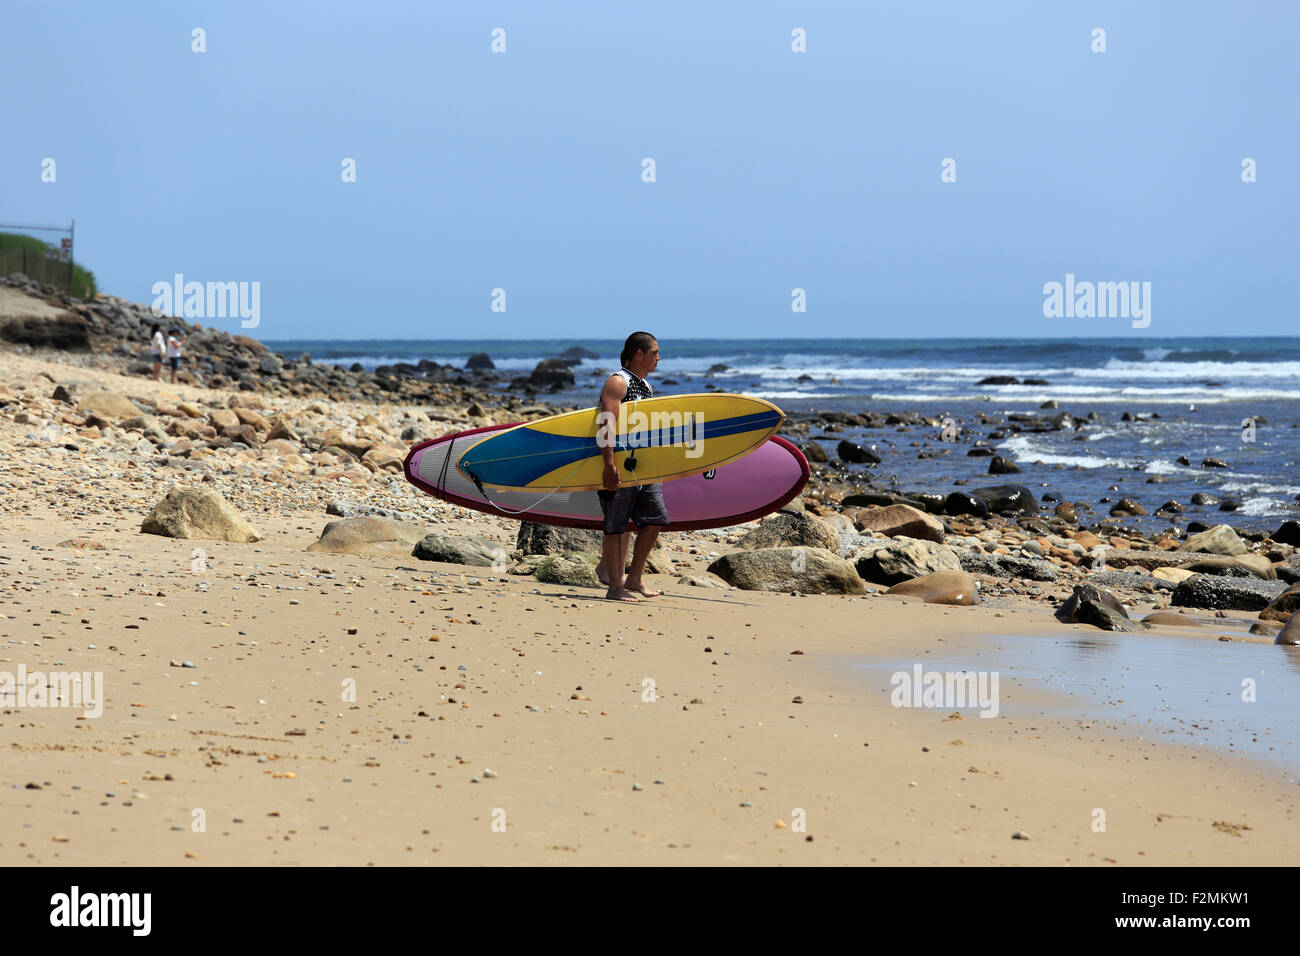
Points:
x=174 y=342
x=157 y=344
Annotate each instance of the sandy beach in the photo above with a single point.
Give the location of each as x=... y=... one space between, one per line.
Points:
x=315 y=708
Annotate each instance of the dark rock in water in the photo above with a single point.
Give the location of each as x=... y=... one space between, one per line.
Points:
x=999 y=380
x=979 y=451
x=932 y=501
x=575 y=354
x=479 y=360
x=536 y=538
x=1172 y=507
x=714 y=369
x=856 y=454
x=551 y=373
x=1183 y=460
x=1006 y=566
x=1035 y=381
x=1090 y=604
x=959 y=503
x=1226 y=593
x=1195 y=527
x=1002 y=499
x=1284 y=606
x=1000 y=466
x=804 y=378
x=1290 y=633
x=1204 y=498
x=1067 y=510
x=1213 y=463
x=1157 y=480
x=356 y=367
x=1229 y=504
x=1125 y=508
x=814 y=452
x=1289 y=533
x=1050 y=403
x=68 y=332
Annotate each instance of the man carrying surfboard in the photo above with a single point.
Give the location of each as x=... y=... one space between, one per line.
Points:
x=619 y=502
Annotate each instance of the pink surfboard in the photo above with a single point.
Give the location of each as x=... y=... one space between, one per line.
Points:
x=763 y=481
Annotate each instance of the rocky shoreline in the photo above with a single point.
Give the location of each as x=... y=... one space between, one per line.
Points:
x=320 y=435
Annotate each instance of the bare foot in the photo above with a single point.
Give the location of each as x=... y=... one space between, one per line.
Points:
x=601 y=576
x=621 y=595
x=640 y=588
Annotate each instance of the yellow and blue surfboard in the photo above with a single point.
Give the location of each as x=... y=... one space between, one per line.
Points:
x=656 y=439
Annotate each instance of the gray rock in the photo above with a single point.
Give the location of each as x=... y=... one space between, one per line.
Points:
x=790 y=530
x=198 y=513
x=1220 y=539
x=367 y=536
x=536 y=538
x=1006 y=566
x=1228 y=594
x=901 y=559
x=477 y=552
x=1090 y=604
x=1282 y=607
x=1129 y=579
x=806 y=570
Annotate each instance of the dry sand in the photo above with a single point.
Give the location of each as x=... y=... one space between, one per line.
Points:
x=550 y=700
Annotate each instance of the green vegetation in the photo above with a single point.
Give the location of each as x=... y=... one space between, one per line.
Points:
x=26 y=254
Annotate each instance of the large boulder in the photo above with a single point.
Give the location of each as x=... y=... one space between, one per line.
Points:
x=1227 y=594
x=1008 y=499
x=900 y=559
x=367 y=536
x=480 y=361
x=553 y=569
x=1090 y=604
x=113 y=406
x=902 y=520
x=1282 y=607
x=1220 y=539
x=942 y=587
x=807 y=570
x=549 y=539
x=792 y=529
x=198 y=513
x=960 y=503
x=478 y=552
x=1170 y=619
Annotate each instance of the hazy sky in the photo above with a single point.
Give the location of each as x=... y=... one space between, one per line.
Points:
x=774 y=170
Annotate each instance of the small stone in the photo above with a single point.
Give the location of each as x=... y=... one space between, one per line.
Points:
x=1020 y=835
x=637 y=786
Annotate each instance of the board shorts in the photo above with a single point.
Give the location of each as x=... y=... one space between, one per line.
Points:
x=642 y=504
x=175 y=361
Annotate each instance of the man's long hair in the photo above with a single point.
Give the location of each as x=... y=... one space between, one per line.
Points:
x=636 y=342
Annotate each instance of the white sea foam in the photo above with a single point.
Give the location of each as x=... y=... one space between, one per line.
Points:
x=1020 y=448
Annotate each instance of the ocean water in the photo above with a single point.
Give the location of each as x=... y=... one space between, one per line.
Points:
x=1231 y=697
x=1236 y=399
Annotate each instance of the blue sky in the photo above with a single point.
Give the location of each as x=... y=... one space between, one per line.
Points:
x=775 y=169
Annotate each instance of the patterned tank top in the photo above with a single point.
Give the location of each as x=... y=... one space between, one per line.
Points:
x=636 y=387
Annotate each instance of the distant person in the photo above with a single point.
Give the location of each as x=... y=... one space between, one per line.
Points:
x=158 y=345
x=174 y=342
x=642 y=504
